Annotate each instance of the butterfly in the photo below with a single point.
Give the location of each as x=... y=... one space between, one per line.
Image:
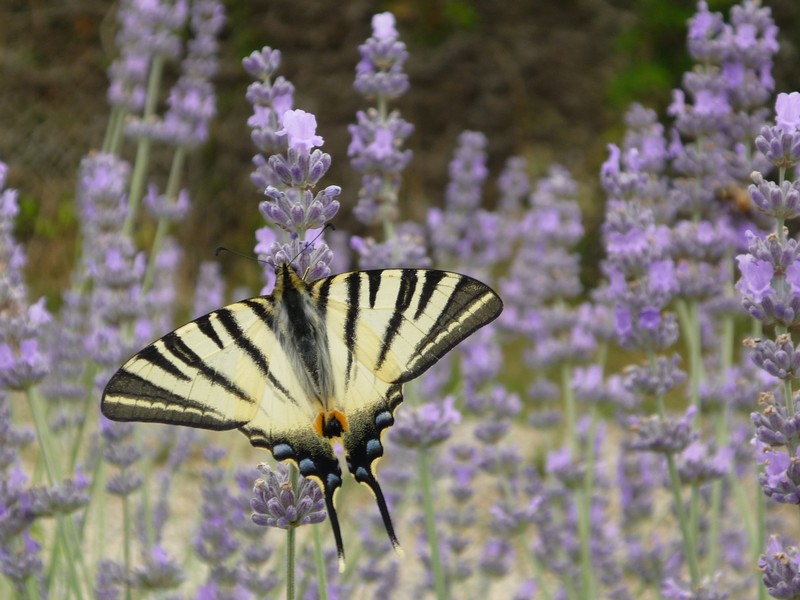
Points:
x=309 y=364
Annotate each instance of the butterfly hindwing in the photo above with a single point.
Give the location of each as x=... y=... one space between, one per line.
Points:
x=386 y=328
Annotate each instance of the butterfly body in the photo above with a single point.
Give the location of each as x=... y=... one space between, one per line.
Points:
x=310 y=363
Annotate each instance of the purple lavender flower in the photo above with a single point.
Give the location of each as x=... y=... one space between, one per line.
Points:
x=654 y=380
x=495 y=558
x=406 y=249
x=380 y=70
x=654 y=434
x=278 y=505
x=109 y=579
x=776 y=425
x=21 y=564
x=22 y=361
x=191 y=100
x=294 y=207
x=711 y=588
x=147 y=29
x=158 y=572
x=780 y=479
x=209 y=290
x=215 y=541
x=780 y=566
x=427 y=425
x=270 y=100
x=514 y=185
x=149 y=34
x=697 y=465
x=120 y=452
x=468 y=173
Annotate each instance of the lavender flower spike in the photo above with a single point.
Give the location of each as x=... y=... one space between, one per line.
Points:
x=277 y=505
x=22 y=362
x=781 y=568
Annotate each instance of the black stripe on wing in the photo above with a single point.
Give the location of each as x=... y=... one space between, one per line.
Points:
x=207 y=328
x=154 y=356
x=432 y=279
x=130 y=397
x=242 y=341
x=180 y=350
x=470 y=305
x=405 y=293
x=351 y=321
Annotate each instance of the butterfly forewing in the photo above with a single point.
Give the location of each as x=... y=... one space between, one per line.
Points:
x=399 y=322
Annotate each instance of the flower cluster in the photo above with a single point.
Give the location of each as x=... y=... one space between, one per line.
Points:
x=522 y=465
x=376 y=150
x=22 y=360
x=278 y=505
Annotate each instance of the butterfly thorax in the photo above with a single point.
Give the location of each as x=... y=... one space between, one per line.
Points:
x=300 y=327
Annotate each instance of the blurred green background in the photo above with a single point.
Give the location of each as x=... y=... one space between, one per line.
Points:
x=548 y=80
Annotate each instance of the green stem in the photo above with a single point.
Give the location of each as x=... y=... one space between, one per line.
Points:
x=584 y=500
x=171 y=194
x=675 y=485
x=689 y=316
x=569 y=407
x=761 y=535
x=291 y=542
x=439 y=581
x=683 y=522
x=126 y=546
x=143 y=150
x=290 y=550
x=319 y=559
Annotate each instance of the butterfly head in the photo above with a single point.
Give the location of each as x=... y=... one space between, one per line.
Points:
x=330 y=424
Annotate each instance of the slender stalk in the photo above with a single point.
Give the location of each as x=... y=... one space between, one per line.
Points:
x=319 y=559
x=43 y=435
x=172 y=191
x=675 y=485
x=439 y=581
x=584 y=502
x=683 y=521
x=126 y=546
x=291 y=533
x=761 y=535
x=569 y=407
x=290 y=567
x=143 y=150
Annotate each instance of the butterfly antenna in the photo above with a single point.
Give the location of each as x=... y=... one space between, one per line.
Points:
x=309 y=243
x=221 y=249
x=334 y=519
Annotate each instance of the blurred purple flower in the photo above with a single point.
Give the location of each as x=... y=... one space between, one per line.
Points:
x=654 y=434
x=427 y=425
x=380 y=70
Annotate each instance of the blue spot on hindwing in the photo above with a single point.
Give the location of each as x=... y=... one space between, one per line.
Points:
x=384 y=419
x=334 y=480
x=374 y=448
x=307 y=466
x=361 y=473
x=282 y=451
